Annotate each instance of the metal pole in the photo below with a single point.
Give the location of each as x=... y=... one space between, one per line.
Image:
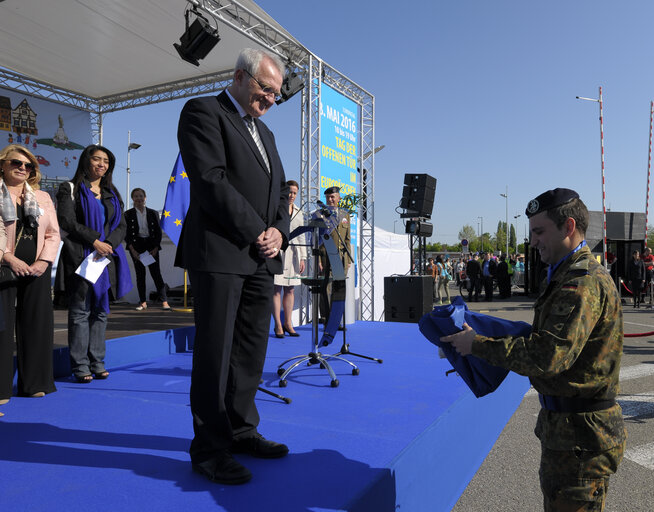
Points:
x=506 y=226
x=649 y=166
x=507 y=222
x=603 y=181
x=129 y=149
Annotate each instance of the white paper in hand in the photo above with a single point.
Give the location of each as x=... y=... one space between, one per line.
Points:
x=91 y=269
x=146 y=258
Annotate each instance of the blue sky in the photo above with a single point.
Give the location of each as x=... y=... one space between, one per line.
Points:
x=478 y=94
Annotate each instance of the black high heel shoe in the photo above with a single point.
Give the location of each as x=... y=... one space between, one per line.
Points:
x=279 y=335
x=291 y=333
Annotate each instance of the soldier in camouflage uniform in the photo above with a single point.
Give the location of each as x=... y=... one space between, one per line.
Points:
x=572 y=358
x=335 y=290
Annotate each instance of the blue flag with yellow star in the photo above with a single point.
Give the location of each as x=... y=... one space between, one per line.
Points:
x=178 y=197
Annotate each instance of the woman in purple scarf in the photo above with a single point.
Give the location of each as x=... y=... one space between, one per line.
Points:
x=90 y=211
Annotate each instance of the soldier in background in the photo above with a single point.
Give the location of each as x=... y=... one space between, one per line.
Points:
x=335 y=290
x=572 y=358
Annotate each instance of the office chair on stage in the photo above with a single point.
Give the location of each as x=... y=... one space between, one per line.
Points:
x=322 y=227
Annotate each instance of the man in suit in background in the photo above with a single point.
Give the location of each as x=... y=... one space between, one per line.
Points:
x=488 y=271
x=473 y=271
x=235 y=228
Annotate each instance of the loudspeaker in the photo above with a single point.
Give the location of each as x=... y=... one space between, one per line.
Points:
x=407 y=298
x=418 y=194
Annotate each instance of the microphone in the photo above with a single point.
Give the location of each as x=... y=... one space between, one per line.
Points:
x=326 y=211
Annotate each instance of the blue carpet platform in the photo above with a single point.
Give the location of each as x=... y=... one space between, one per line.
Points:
x=400 y=436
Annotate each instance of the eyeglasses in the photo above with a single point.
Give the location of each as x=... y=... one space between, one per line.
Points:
x=266 y=89
x=19 y=163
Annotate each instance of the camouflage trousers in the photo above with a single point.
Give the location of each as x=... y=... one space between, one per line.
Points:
x=576 y=481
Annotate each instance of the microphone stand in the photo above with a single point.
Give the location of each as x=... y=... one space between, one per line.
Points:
x=314 y=356
x=345 y=348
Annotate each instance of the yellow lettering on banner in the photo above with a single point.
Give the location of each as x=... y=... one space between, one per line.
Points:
x=340 y=144
x=334 y=155
x=346 y=188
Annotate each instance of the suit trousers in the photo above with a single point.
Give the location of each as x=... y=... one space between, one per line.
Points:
x=27 y=312
x=488 y=287
x=140 y=246
x=232 y=323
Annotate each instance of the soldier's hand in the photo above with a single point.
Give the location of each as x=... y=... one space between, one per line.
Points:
x=462 y=340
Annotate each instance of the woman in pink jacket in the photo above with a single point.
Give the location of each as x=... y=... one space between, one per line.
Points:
x=32 y=243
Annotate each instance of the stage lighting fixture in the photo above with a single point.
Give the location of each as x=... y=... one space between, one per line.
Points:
x=198 y=39
x=418 y=228
x=292 y=84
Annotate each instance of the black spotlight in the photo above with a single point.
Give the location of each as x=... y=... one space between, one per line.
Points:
x=419 y=228
x=292 y=84
x=198 y=40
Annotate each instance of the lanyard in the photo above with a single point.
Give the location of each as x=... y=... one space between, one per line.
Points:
x=552 y=268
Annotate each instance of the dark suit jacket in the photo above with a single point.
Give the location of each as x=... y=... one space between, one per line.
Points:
x=154 y=229
x=473 y=269
x=233 y=196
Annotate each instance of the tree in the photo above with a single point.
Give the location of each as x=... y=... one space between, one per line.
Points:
x=650 y=236
x=468 y=233
x=500 y=236
x=512 y=237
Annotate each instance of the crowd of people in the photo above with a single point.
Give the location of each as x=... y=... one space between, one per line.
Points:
x=473 y=271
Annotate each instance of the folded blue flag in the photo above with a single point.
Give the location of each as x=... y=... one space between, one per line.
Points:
x=481 y=377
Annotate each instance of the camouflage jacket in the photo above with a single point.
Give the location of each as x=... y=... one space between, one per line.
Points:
x=574 y=350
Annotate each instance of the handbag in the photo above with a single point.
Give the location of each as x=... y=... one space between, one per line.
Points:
x=6 y=274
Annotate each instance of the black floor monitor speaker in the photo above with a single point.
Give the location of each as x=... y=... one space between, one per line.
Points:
x=407 y=298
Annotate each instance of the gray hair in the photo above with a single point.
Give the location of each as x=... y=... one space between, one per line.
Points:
x=250 y=58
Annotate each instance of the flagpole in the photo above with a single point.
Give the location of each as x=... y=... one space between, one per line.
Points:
x=185 y=309
x=173 y=216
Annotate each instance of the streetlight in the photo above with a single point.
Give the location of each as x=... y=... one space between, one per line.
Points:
x=516 y=232
x=130 y=145
x=482 y=233
x=601 y=120
x=394 y=225
x=506 y=226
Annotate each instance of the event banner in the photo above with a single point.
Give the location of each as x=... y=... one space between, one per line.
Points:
x=54 y=133
x=339 y=148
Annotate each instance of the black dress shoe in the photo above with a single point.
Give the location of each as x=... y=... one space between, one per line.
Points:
x=260 y=447
x=223 y=469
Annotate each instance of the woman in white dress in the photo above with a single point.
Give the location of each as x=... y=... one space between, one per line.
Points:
x=294 y=263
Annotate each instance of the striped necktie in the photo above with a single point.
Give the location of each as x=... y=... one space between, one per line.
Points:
x=249 y=122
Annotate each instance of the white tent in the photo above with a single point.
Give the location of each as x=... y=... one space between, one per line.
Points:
x=392 y=256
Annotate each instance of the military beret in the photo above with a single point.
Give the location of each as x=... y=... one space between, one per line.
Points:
x=332 y=190
x=550 y=199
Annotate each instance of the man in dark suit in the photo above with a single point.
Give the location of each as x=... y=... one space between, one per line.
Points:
x=488 y=271
x=235 y=227
x=473 y=271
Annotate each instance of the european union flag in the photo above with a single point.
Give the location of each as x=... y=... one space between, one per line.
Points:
x=178 y=197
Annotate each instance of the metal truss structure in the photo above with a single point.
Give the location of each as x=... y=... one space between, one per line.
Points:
x=298 y=59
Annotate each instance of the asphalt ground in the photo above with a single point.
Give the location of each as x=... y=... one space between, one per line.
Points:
x=507 y=481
